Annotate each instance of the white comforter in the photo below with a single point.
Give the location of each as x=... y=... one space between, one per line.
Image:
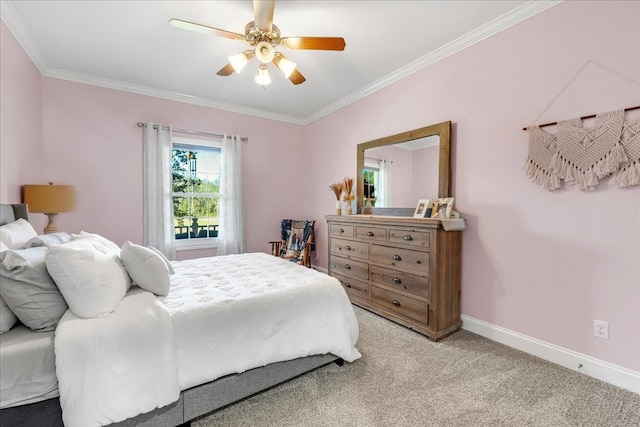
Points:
x=223 y=315
x=116 y=367
x=239 y=312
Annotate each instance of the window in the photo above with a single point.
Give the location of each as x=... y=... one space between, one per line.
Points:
x=371 y=177
x=195 y=168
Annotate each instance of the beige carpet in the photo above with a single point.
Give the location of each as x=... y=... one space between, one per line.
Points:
x=403 y=379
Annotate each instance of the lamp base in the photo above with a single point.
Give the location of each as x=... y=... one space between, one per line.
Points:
x=51 y=227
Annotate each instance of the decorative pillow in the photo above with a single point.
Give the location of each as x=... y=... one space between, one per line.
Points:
x=147 y=269
x=92 y=282
x=103 y=245
x=164 y=258
x=48 y=239
x=7 y=318
x=97 y=238
x=17 y=233
x=28 y=289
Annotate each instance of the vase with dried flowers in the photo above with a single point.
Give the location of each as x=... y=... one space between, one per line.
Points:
x=337 y=190
x=347 y=188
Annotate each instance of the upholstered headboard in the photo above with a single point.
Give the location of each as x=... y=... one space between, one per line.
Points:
x=9 y=213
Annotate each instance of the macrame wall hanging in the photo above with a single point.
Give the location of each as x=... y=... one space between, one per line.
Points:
x=585 y=155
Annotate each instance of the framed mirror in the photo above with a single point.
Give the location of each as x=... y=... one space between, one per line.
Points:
x=398 y=170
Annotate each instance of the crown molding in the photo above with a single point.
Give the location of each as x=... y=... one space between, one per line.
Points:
x=171 y=96
x=500 y=23
x=17 y=28
x=527 y=10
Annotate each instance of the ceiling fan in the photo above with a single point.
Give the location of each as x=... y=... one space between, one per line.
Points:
x=264 y=37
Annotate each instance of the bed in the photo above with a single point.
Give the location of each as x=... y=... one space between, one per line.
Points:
x=227 y=328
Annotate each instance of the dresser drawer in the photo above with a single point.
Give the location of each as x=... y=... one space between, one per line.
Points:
x=350 y=248
x=417 y=285
x=400 y=259
x=348 y=267
x=421 y=239
x=371 y=233
x=341 y=230
x=355 y=288
x=400 y=304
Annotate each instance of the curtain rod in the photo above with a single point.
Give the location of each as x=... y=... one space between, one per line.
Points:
x=192 y=132
x=581 y=118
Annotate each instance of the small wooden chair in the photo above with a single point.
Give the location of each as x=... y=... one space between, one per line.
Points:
x=296 y=241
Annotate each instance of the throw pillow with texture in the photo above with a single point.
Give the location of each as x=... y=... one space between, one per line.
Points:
x=147 y=269
x=92 y=282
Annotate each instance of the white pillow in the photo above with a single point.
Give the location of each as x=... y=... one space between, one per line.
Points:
x=48 y=239
x=3 y=247
x=101 y=244
x=7 y=318
x=28 y=289
x=16 y=234
x=147 y=269
x=164 y=258
x=108 y=244
x=91 y=281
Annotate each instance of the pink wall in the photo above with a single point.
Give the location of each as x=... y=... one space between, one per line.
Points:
x=543 y=264
x=21 y=156
x=92 y=141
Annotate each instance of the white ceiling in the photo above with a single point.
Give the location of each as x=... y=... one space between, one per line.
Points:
x=129 y=45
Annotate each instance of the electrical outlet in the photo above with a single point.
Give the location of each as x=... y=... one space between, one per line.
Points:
x=601 y=329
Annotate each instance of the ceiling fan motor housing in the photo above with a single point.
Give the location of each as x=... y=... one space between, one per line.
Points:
x=255 y=35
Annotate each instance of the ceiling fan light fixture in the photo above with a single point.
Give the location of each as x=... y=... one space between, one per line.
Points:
x=262 y=75
x=265 y=52
x=240 y=60
x=286 y=66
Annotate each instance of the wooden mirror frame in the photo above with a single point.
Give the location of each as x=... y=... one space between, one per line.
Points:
x=443 y=130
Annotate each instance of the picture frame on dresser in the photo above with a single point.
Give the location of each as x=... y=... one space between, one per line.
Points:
x=444 y=208
x=423 y=209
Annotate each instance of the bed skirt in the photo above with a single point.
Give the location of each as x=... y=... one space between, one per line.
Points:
x=193 y=402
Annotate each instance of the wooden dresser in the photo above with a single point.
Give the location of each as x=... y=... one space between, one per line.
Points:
x=405 y=269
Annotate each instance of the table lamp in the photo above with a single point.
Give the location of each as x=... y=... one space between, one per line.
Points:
x=50 y=200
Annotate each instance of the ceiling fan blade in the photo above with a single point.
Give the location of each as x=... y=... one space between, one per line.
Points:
x=316 y=43
x=227 y=70
x=263 y=14
x=199 y=28
x=296 y=77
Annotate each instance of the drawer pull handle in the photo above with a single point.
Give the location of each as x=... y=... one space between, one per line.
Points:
x=348 y=285
x=347 y=248
x=397 y=258
x=370 y=233
x=408 y=238
x=340 y=230
x=347 y=266
x=396 y=303
x=396 y=280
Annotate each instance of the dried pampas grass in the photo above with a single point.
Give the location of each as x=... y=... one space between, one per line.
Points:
x=347 y=187
x=337 y=189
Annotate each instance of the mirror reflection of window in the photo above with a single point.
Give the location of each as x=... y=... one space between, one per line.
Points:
x=377 y=174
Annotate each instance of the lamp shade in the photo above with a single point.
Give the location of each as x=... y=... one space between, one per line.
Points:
x=49 y=198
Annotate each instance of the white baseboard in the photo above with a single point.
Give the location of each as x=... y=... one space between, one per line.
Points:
x=612 y=374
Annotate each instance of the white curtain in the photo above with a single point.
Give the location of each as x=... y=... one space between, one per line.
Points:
x=231 y=237
x=384 y=190
x=158 y=201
